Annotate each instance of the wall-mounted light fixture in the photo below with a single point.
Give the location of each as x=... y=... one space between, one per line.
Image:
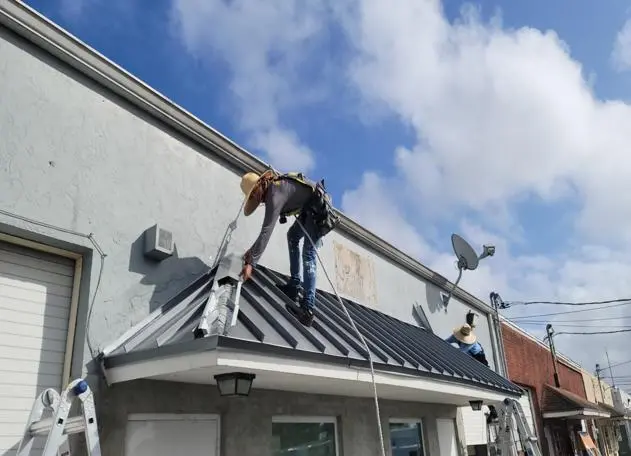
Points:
x=234 y=384
x=476 y=405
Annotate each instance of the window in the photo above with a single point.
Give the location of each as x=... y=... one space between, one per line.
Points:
x=169 y=434
x=304 y=436
x=406 y=438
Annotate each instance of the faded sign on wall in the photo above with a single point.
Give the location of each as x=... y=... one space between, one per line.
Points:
x=355 y=275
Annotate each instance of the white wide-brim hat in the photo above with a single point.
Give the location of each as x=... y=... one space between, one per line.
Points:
x=465 y=334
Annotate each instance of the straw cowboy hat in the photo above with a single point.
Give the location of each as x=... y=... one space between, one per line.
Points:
x=465 y=334
x=248 y=184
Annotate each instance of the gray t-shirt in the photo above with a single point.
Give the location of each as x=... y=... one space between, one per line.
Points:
x=282 y=196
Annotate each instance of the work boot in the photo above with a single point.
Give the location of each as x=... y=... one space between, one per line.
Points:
x=306 y=314
x=293 y=292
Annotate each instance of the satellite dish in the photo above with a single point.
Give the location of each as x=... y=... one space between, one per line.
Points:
x=467 y=258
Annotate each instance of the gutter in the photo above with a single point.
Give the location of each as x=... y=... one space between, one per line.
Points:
x=34 y=27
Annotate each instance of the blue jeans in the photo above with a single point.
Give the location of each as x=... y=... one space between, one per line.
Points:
x=309 y=258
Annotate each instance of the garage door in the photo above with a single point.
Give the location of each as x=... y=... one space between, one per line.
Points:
x=168 y=435
x=35 y=295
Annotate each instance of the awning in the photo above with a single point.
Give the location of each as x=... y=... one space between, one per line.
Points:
x=614 y=413
x=563 y=404
x=410 y=362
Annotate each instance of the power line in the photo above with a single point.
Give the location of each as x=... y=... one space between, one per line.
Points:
x=591 y=333
x=562 y=303
x=618 y=364
x=581 y=320
x=570 y=311
x=582 y=325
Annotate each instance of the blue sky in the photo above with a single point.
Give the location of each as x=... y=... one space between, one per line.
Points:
x=424 y=119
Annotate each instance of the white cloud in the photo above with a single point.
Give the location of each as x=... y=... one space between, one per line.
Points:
x=500 y=115
x=371 y=204
x=590 y=273
x=621 y=54
x=284 y=149
x=264 y=45
x=72 y=9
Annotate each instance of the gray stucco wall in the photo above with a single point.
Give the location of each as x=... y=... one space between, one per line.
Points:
x=74 y=156
x=246 y=423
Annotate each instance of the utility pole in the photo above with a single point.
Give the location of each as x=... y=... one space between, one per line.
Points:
x=613 y=382
x=550 y=332
x=602 y=392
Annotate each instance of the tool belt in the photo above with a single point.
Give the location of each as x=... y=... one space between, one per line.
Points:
x=318 y=207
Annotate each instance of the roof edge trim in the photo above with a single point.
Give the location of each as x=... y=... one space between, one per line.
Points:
x=34 y=27
x=221 y=342
x=186 y=348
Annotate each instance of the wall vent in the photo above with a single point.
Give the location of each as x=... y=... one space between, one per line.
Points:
x=158 y=243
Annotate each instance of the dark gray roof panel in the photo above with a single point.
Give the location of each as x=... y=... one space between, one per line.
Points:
x=265 y=324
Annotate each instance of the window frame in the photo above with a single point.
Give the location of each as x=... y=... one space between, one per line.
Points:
x=311 y=419
x=146 y=417
x=420 y=421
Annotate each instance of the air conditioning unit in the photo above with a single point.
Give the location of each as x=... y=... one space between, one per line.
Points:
x=158 y=243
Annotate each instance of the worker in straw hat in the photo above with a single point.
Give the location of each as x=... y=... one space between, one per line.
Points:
x=283 y=195
x=467 y=341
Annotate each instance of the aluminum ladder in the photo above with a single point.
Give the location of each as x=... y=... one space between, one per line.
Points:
x=59 y=426
x=504 y=443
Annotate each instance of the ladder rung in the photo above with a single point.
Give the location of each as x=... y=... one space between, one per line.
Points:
x=72 y=426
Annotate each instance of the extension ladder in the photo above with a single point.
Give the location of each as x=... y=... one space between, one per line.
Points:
x=503 y=443
x=59 y=426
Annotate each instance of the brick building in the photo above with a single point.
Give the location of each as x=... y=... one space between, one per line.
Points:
x=558 y=410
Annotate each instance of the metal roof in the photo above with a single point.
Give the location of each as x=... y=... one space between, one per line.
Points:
x=264 y=324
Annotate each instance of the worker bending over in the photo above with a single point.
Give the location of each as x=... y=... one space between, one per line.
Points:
x=283 y=196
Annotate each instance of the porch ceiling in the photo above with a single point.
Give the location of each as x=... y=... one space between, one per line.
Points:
x=288 y=374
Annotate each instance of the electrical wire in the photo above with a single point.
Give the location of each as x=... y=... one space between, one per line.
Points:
x=96 y=246
x=562 y=325
x=562 y=303
x=570 y=311
x=227 y=237
x=359 y=334
x=580 y=320
x=616 y=365
x=593 y=333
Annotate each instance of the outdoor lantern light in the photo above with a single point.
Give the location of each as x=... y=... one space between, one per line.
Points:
x=476 y=405
x=234 y=384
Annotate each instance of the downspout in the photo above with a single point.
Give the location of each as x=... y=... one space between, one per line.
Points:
x=495 y=344
x=495 y=323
